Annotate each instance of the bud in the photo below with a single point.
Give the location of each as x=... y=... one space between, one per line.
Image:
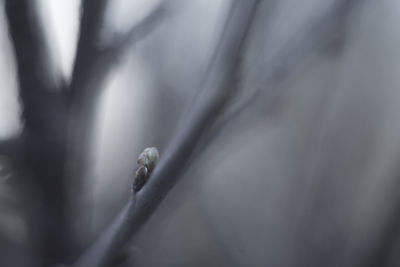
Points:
x=140 y=179
x=149 y=158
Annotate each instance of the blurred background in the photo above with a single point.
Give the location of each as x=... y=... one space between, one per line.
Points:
x=302 y=172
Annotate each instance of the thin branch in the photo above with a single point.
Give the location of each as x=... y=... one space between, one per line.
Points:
x=94 y=57
x=137 y=32
x=320 y=31
x=218 y=85
x=92 y=13
x=381 y=247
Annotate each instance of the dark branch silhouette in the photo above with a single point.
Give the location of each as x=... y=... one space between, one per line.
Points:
x=58 y=115
x=44 y=112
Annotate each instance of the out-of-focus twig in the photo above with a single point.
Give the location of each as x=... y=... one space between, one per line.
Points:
x=92 y=13
x=94 y=56
x=218 y=84
x=321 y=30
x=137 y=32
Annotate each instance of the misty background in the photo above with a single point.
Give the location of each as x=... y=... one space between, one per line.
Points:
x=306 y=174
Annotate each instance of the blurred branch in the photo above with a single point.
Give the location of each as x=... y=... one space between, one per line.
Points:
x=220 y=82
x=82 y=93
x=137 y=32
x=35 y=73
x=382 y=246
x=44 y=113
x=92 y=13
x=322 y=29
x=94 y=57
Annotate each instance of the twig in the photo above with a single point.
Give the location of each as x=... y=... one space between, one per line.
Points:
x=94 y=57
x=87 y=50
x=319 y=32
x=218 y=85
x=137 y=32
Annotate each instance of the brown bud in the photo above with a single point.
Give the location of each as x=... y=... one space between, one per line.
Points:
x=140 y=179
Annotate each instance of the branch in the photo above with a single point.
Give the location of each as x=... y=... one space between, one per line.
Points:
x=35 y=71
x=93 y=57
x=317 y=33
x=91 y=67
x=43 y=140
x=87 y=50
x=381 y=247
x=218 y=85
x=137 y=32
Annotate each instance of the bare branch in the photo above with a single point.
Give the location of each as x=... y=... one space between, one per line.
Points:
x=43 y=140
x=95 y=59
x=322 y=29
x=34 y=66
x=218 y=85
x=137 y=32
x=380 y=249
x=92 y=13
